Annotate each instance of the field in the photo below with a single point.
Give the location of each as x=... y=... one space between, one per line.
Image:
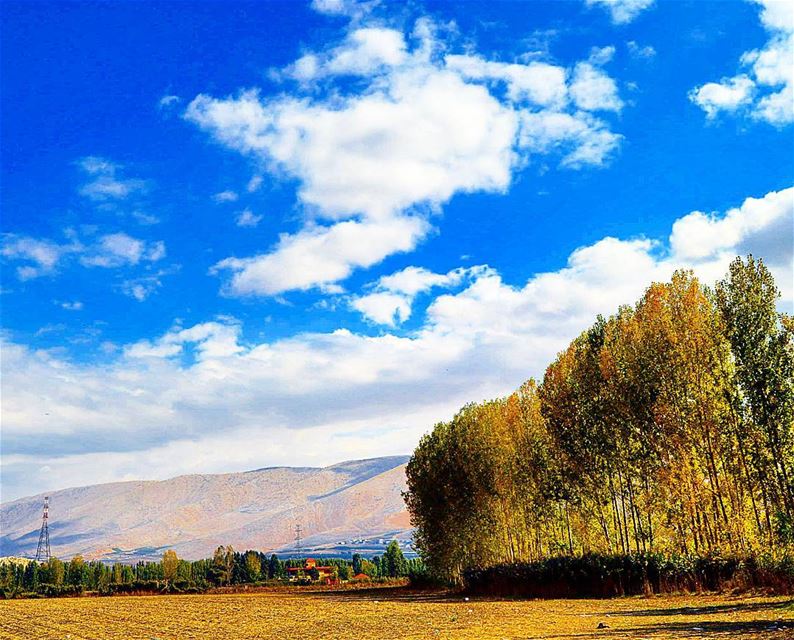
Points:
x=392 y=613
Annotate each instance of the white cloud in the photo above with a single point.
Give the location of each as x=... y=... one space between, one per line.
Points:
x=640 y=51
x=365 y=51
x=764 y=224
x=168 y=101
x=594 y=90
x=106 y=183
x=424 y=127
x=44 y=256
x=248 y=218
x=601 y=55
x=254 y=184
x=582 y=138
x=429 y=136
x=144 y=218
x=622 y=11
x=75 y=305
x=349 y=8
x=537 y=82
x=320 y=255
x=211 y=339
x=142 y=287
x=727 y=95
x=765 y=91
x=182 y=395
x=119 y=249
x=226 y=196
x=383 y=307
x=393 y=295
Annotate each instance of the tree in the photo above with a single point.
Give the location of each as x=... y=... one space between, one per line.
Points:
x=253 y=565
x=275 y=568
x=667 y=427
x=394 y=561
x=170 y=565
x=368 y=568
x=223 y=565
x=55 y=571
x=75 y=569
x=763 y=348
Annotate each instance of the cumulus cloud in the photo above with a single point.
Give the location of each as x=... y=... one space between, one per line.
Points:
x=622 y=11
x=582 y=139
x=365 y=51
x=392 y=296
x=322 y=255
x=765 y=89
x=179 y=396
x=594 y=90
x=421 y=125
x=726 y=95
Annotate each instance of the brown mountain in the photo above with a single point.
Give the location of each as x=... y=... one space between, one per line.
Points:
x=346 y=508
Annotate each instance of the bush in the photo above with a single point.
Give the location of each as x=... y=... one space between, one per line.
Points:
x=604 y=576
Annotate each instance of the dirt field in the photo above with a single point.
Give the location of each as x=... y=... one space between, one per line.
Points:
x=392 y=613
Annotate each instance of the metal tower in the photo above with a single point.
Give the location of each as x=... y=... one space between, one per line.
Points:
x=43 y=550
x=298 y=539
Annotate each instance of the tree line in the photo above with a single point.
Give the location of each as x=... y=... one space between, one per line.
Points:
x=226 y=568
x=665 y=428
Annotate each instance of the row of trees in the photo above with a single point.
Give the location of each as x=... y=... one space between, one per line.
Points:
x=227 y=567
x=664 y=428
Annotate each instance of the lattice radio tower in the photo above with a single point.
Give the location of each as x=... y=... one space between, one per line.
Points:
x=298 y=539
x=43 y=550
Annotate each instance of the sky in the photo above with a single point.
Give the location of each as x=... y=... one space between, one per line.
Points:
x=239 y=235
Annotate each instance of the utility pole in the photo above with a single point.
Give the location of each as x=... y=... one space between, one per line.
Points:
x=43 y=550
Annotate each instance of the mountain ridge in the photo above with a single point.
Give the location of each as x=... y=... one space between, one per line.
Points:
x=342 y=508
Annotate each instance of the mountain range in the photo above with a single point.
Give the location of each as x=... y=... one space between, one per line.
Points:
x=354 y=506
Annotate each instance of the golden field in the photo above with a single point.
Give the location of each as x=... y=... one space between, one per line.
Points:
x=392 y=613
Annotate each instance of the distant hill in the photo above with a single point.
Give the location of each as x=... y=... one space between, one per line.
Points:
x=346 y=508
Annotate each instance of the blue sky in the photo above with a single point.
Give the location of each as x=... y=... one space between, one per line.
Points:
x=244 y=234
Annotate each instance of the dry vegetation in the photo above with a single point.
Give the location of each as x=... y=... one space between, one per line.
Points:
x=392 y=613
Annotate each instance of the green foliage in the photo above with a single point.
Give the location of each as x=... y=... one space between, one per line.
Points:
x=27 y=578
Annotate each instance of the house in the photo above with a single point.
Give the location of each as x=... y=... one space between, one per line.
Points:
x=326 y=575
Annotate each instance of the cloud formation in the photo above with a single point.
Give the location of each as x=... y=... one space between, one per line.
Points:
x=391 y=297
x=386 y=126
x=765 y=89
x=105 y=180
x=185 y=395
x=622 y=11
x=41 y=257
